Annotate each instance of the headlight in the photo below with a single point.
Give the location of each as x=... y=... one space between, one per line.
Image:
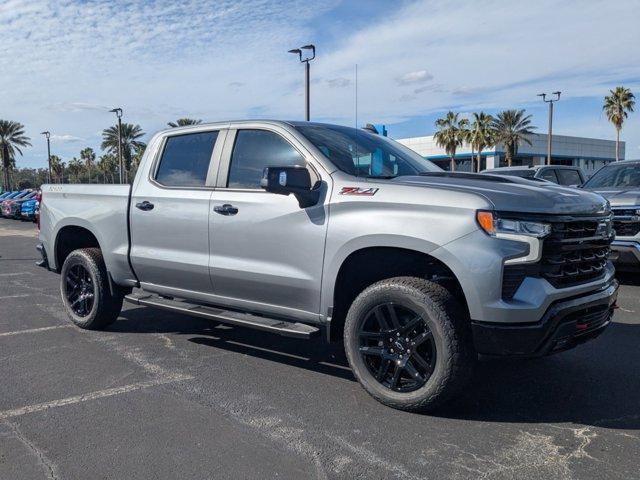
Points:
x=496 y=226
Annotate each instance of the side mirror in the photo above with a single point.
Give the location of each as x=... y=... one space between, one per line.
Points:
x=290 y=180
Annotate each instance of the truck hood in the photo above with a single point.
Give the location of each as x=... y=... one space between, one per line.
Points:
x=620 y=197
x=514 y=194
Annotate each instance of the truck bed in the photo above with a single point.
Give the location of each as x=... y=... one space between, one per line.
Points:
x=101 y=209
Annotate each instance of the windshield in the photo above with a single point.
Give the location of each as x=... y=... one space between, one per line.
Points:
x=365 y=154
x=529 y=173
x=615 y=176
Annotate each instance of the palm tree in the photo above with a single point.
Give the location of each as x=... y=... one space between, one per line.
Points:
x=108 y=164
x=510 y=129
x=183 y=122
x=89 y=157
x=617 y=106
x=480 y=135
x=130 y=135
x=12 y=138
x=75 y=168
x=57 y=168
x=451 y=134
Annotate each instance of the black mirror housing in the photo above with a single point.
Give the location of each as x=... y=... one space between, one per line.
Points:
x=290 y=180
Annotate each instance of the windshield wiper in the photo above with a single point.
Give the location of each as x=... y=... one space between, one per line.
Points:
x=385 y=177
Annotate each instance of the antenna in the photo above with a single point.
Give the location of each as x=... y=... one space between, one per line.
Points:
x=356 y=142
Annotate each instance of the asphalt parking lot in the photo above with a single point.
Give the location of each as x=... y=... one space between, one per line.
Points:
x=160 y=395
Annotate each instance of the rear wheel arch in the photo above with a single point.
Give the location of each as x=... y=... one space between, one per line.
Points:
x=70 y=238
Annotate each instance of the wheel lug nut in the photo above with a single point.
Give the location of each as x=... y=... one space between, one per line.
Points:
x=406 y=339
x=397 y=334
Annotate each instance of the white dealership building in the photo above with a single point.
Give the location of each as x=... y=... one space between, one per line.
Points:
x=588 y=153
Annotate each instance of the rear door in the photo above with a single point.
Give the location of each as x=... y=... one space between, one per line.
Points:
x=170 y=214
x=266 y=252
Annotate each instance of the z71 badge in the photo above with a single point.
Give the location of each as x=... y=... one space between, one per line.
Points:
x=358 y=191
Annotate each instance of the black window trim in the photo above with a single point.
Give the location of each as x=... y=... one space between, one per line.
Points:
x=214 y=161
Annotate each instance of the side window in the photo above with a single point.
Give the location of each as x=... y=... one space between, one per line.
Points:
x=569 y=177
x=549 y=174
x=185 y=159
x=256 y=149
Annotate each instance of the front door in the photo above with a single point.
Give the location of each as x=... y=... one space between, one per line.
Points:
x=170 y=216
x=266 y=251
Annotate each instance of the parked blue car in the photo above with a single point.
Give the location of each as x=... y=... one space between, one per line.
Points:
x=29 y=209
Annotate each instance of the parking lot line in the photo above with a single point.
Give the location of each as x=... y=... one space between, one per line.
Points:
x=109 y=392
x=34 y=330
x=15 y=274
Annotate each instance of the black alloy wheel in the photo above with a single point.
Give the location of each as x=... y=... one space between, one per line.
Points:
x=397 y=347
x=79 y=290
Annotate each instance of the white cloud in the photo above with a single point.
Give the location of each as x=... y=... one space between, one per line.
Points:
x=419 y=76
x=66 y=138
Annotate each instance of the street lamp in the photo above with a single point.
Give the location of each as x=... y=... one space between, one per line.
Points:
x=48 y=134
x=550 y=101
x=118 y=112
x=306 y=60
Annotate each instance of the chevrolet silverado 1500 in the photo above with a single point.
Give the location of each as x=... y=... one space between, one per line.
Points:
x=302 y=228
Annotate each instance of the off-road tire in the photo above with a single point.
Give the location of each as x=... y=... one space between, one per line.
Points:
x=449 y=325
x=106 y=306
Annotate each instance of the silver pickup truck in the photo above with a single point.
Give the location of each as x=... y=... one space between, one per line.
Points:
x=301 y=228
x=619 y=182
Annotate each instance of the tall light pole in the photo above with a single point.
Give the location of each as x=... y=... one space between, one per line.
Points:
x=306 y=60
x=550 y=101
x=48 y=134
x=118 y=112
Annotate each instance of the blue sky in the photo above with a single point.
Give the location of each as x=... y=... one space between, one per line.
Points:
x=71 y=61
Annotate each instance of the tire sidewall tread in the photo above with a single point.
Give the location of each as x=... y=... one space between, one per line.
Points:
x=106 y=307
x=451 y=330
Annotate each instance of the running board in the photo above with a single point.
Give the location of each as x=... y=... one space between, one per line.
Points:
x=241 y=319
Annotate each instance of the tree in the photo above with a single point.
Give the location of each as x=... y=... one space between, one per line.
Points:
x=74 y=169
x=130 y=135
x=108 y=165
x=88 y=156
x=57 y=168
x=12 y=139
x=183 y=122
x=617 y=106
x=510 y=129
x=451 y=134
x=480 y=134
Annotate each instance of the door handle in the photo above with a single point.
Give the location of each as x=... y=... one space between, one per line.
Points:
x=226 y=209
x=144 y=205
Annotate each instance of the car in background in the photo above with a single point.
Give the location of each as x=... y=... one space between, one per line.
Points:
x=564 y=175
x=16 y=195
x=13 y=208
x=619 y=183
x=29 y=209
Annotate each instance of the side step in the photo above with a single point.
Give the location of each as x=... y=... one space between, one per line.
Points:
x=241 y=319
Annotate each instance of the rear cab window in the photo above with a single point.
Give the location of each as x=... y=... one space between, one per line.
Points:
x=185 y=159
x=569 y=177
x=549 y=174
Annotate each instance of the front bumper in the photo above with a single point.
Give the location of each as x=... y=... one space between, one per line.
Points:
x=565 y=324
x=625 y=254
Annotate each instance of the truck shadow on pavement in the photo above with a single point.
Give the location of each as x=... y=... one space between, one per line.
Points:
x=597 y=384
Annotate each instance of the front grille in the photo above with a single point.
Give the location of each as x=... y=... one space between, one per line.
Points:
x=626 y=222
x=575 y=252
